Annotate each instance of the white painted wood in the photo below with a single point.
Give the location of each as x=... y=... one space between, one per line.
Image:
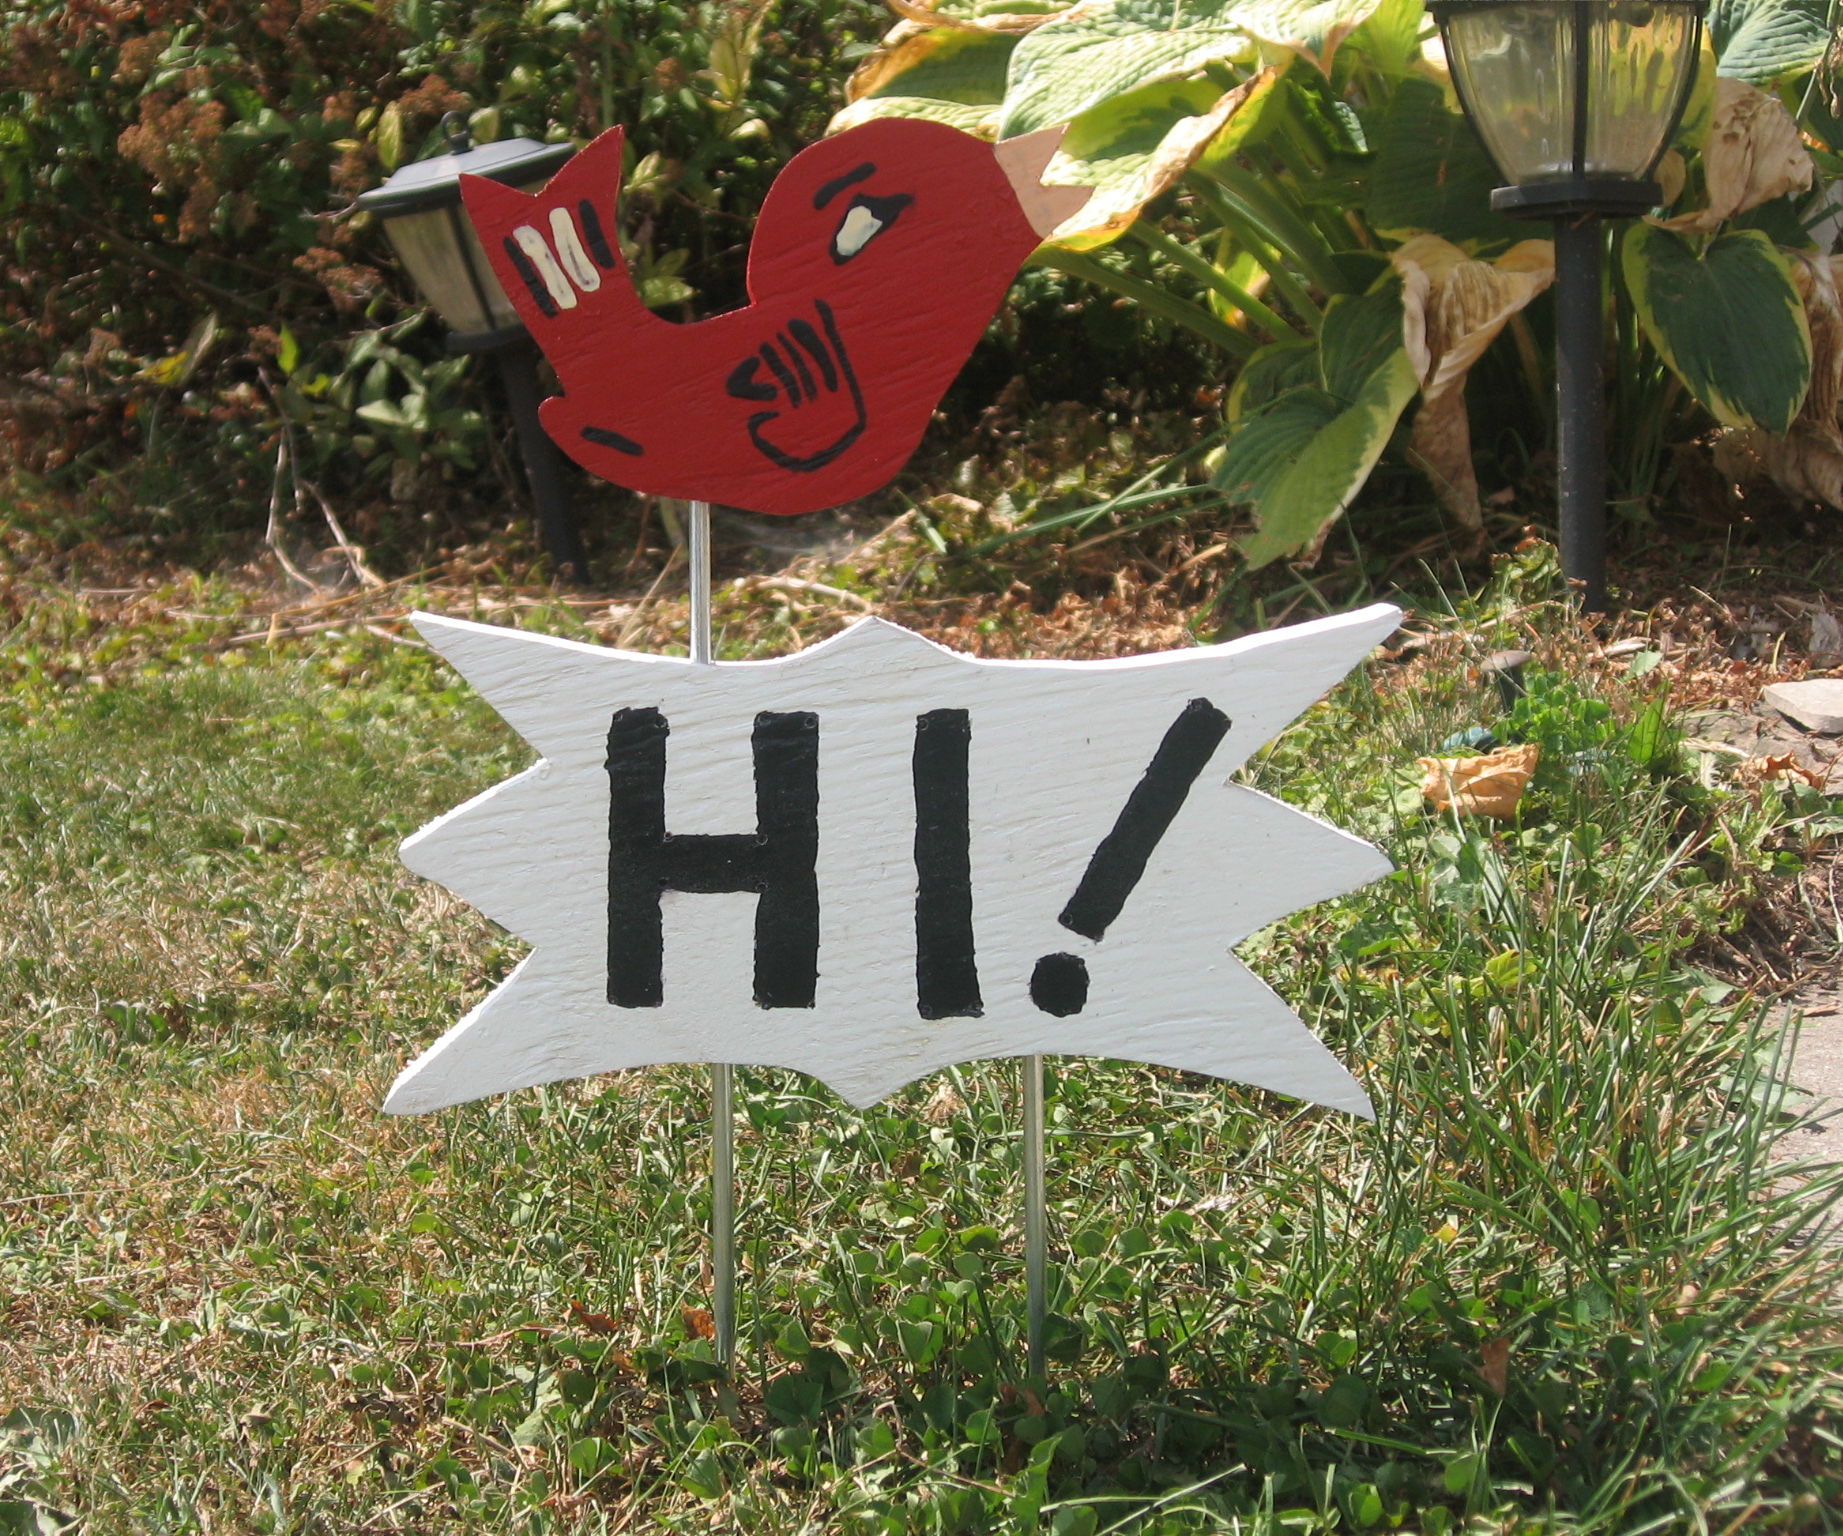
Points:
x=1056 y=749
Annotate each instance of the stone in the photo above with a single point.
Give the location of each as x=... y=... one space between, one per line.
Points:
x=1815 y=703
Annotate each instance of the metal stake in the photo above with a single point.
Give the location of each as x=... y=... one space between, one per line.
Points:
x=1580 y=406
x=1036 y=1216
x=722 y=1075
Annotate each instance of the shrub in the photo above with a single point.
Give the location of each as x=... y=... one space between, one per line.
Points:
x=181 y=270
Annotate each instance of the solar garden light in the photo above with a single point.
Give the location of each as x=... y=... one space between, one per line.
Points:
x=420 y=209
x=1576 y=101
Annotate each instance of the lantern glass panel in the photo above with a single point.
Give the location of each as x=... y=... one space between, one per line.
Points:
x=1515 y=64
x=1515 y=67
x=445 y=261
x=448 y=265
x=1639 y=59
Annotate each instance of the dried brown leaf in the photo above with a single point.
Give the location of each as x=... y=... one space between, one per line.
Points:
x=1754 y=154
x=1815 y=278
x=595 y=1322
x=1441 y=444
x=1489 y=785
x=1753 y=772
x=943 y=1104
x=1494 y=1364
x=1453 y=307
x=1805 y=462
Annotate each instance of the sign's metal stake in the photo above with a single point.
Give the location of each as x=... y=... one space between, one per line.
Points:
x=722 y=1075
x=697 y=537
x=1036 y=1216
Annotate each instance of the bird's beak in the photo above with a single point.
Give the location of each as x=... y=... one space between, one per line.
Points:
x=1024 y=160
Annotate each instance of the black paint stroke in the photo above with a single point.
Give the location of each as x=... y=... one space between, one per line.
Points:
x=779 y=456
x=779 y=369
x=592 y=231
x=809 y=338
x=1121 y=858
x=806 y=375
x=742 y=383
x=540 y=295
x=606 y=438
x=946 y=968
x=778 y=861
x=839 y=183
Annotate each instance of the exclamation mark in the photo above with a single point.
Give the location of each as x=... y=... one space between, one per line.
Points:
x=1059 y=984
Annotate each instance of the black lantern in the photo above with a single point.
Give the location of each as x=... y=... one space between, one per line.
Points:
x=420 y=209
x=1576 y=102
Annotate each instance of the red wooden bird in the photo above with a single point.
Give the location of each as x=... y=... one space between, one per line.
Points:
x=877 y=261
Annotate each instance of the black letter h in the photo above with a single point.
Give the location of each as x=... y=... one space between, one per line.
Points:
x=777 y=860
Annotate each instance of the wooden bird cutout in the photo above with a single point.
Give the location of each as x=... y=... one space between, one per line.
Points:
x=878 y=259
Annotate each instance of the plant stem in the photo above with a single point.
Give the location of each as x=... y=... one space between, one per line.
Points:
x=1279 y=225
x=1149 y=297
x=1250 y=237
x=1211 y=276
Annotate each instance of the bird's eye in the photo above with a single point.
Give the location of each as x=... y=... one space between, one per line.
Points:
x=865 y=219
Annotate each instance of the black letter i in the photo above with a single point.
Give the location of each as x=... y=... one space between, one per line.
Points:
x=946 y=972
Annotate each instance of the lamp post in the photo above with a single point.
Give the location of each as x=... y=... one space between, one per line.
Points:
x=1576 y=102
x=420 y=209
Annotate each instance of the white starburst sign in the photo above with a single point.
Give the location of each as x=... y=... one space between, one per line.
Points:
x=878 y=858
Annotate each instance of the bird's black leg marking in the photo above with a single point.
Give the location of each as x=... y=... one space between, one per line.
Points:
x=540 y=295
x=603 y=438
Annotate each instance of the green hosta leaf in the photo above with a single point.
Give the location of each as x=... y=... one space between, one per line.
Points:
x=1332 y=122
x=1268 y=107
x=942 y=64
x=1728 y=321
x=1315 y=27
x=1100 y=49
x=1275 y=370
x=1134 y=146
x=968 y=118
x=1764 y=40
x=1391 y=38
x=1360 y=334
x=1299 y=462
x=1430 y=172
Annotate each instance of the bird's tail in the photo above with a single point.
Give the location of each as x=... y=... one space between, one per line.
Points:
x=557 y=253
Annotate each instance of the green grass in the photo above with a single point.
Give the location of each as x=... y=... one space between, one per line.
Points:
x=1555 y=1288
